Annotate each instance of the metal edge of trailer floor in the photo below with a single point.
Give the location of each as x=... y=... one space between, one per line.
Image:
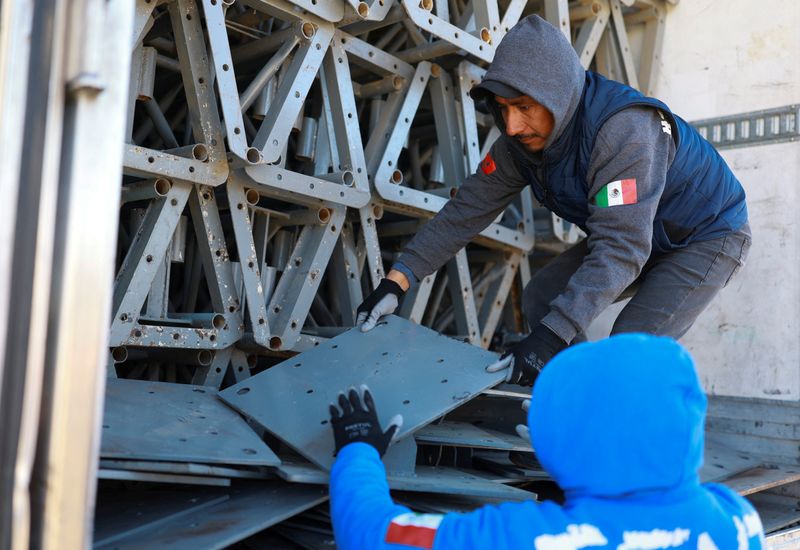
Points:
x=243 y=512
x=425 y=479
x=176 y=422
x=410 y=370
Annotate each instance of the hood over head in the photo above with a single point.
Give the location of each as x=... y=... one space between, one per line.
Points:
x=536 y=59
x=619 y=416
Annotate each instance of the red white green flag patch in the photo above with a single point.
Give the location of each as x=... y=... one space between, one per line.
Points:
x=417 y=530
x=616 y=193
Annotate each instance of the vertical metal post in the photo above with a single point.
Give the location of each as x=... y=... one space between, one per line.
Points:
x=97 y=60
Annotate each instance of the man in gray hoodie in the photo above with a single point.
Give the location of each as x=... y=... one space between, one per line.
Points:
x=663 y=213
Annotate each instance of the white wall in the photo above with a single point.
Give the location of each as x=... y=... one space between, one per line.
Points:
x=728 y=57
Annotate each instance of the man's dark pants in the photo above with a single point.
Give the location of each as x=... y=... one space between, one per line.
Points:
x=672 y=290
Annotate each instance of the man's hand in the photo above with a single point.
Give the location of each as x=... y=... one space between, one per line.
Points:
x=527 y=358
x=383 y=301
x=358 y=421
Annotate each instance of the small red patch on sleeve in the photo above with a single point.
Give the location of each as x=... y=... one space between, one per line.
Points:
x=487 y=164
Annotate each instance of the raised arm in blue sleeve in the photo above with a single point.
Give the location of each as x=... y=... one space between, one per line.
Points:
x=365 y=517
x=361 y=507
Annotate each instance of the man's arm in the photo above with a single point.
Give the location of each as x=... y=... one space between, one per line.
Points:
x=364 y=515
x=479 y=200
x=361 y=507
x=631 y=145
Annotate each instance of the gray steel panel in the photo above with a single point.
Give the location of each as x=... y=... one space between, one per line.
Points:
x=722 y=462
x=176 y=422
x=426 y=479
x=156 y=477
x=461 y=434
x=410 y=370
x=185 y=468
x=217 y=524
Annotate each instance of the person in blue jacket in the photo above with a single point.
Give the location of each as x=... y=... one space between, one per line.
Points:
x=619 y=425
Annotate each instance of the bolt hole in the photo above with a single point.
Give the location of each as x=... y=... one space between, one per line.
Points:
x=243 y=391
x=309 y=391
x=406 y=402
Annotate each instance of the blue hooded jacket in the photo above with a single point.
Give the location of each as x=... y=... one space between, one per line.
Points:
x=619 y=425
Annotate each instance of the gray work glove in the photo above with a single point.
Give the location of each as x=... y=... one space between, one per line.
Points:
x=526 y=359
x=383 y=301
x=358 y=421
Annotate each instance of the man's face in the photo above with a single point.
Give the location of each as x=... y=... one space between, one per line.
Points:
x=527 y=120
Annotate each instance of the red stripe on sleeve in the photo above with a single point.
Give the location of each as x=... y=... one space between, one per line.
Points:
x=410 y=535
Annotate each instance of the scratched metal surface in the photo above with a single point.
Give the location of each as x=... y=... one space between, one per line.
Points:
x=426 y=479
x=409 y=369
x=203 y=518
x=462 y=434
x=178 y=423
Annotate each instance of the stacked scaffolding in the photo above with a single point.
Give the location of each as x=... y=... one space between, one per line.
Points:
x=277 y=155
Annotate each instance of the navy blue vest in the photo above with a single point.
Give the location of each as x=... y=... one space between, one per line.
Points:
x=702 y=198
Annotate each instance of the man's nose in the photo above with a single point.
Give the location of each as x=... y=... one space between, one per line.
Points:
x=513 y=123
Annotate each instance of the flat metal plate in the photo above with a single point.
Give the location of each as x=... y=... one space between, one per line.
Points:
x=219 y=524
x=760 y=479
x=427 y=479
x=176 y=423
x=409 y=369
x=722 y=462
x=776 y=511
x=185 y=468
x=462 y=434
x=154 y=477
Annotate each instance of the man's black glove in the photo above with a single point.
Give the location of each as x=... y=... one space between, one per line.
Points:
x=382 y=301
x=358 y=421
x=526 y=359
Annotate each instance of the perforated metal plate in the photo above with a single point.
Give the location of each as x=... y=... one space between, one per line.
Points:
x=427 y=479
x=176 y=423
x=409 y=369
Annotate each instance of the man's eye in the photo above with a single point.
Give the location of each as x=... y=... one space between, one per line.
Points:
x=524 y=107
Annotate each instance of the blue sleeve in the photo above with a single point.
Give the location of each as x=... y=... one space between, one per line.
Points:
x=361 y=507
x=364 y=515
x=403 y=268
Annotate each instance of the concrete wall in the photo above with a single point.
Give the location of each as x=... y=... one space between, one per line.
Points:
x=729 y=57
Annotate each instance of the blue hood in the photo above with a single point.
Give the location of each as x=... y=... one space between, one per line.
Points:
x=619 y=416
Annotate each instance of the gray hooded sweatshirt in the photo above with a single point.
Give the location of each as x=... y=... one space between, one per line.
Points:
x=536 y=59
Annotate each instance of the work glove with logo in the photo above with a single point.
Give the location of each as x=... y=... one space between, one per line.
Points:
x=358 y=421
x=526 y=359
x=383 y=301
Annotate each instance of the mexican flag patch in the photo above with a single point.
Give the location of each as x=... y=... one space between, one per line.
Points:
x=616 y=193
x=487 y=164
x=416 y=530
